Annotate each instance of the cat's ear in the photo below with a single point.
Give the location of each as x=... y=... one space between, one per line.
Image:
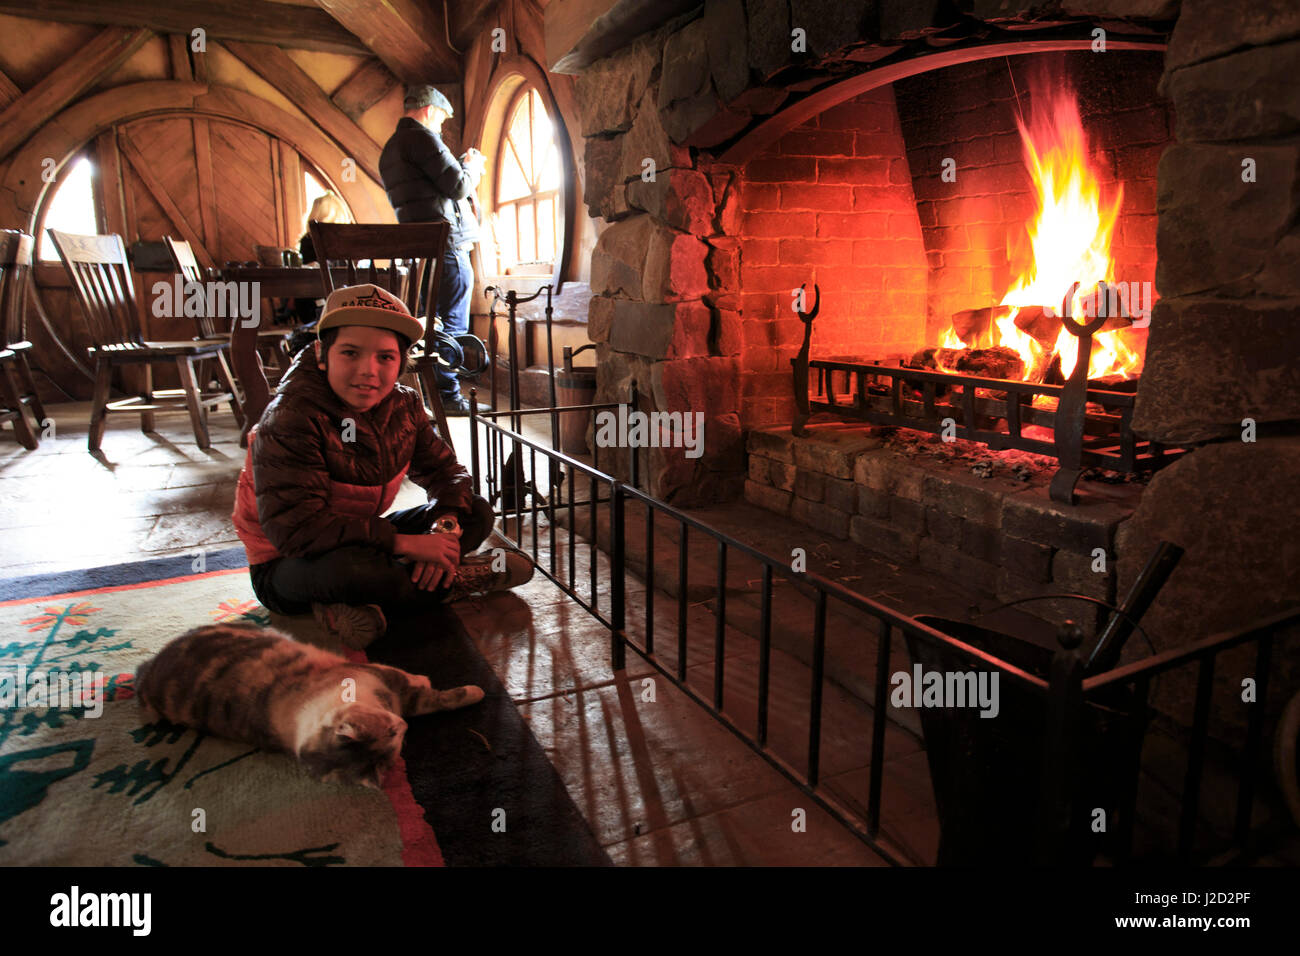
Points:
x=365 y=726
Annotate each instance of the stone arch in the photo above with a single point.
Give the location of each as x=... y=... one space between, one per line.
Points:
x=769 y=130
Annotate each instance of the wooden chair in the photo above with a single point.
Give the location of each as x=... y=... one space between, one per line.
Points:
x=272 y=343
x=415 y=250
x=101 y=277
x=17 y=388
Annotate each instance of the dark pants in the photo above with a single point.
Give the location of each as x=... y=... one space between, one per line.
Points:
x=453 y=305
x=359 y=574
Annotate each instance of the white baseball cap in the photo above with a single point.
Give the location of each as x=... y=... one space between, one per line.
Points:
x=371 y=306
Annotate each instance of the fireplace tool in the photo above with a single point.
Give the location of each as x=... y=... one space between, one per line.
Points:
x=987 y=773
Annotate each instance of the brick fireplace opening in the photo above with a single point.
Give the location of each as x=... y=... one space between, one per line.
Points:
x=908 y=208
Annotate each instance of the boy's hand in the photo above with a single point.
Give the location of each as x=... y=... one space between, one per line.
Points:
x=436 y=558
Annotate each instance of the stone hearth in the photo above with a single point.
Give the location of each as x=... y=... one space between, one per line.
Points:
x=967 y=515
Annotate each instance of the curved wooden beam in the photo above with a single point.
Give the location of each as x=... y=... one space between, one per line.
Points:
x=23 y=189
x=774 y=127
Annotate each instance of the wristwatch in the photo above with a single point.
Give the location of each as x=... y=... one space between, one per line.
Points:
x=447 y=524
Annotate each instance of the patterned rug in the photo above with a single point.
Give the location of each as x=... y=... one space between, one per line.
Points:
x=86 y=780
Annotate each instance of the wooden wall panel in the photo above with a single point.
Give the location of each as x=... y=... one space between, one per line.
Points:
x=207 y=189
x=245 y=189
x=292 y=203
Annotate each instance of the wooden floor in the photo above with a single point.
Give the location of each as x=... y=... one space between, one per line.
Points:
x=659 y=780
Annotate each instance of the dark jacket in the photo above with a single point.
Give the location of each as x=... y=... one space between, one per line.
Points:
x=304 y=491
x=425 y=183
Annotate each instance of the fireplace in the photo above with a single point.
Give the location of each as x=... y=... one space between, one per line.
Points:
x=885 y=168
x=1022 y=257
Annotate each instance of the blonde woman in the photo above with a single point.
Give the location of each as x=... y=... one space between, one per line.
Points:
x=327 y=208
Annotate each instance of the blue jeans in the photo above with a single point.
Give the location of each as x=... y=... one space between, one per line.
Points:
x=453 y=306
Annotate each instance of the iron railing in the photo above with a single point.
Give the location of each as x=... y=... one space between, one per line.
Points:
x=1066 y=694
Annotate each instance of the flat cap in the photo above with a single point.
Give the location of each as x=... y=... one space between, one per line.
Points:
x=419 y=96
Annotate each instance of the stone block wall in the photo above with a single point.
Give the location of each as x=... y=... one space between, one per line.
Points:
x=1225 y=346
x=1223 y=343
x=998 y=535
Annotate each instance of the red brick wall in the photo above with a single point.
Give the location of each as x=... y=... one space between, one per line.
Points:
x=968 y=112
x=830 y=203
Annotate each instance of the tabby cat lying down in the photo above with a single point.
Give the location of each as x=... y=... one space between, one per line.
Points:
x=259 y=686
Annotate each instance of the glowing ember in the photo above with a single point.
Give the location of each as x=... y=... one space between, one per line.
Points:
x=1070 y=238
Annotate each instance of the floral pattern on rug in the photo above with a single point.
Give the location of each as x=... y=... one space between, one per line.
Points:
x=119 y=790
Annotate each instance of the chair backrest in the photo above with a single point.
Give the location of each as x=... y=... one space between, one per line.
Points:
x=15 y=273
x=415 y=249
x=187 y=266
x=101 y=277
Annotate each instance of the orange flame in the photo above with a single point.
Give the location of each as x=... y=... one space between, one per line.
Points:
x=1070 y=237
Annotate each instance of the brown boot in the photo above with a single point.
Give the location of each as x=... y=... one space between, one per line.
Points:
x=474 y=575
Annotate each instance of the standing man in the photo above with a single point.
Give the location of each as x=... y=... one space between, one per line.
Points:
x=425 y=183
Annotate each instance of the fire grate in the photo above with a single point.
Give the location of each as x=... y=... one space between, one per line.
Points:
x=1090 y=427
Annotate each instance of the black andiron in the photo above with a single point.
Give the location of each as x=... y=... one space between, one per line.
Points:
x=802 y=411
x=1072 y=406
x=909 y=398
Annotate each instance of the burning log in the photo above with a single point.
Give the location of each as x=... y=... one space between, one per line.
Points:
x=1035 y=322
x=969 y=324
x=997 y=362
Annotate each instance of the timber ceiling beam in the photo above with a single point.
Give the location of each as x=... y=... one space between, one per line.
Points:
x=304 y=28
x=468 y=18
x=178 y=50
x=105 y=52
x=276 y=67
x=363 y=89
x=408 y=35
x=9 y=91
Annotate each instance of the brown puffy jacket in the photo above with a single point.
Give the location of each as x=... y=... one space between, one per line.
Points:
x=304 y=491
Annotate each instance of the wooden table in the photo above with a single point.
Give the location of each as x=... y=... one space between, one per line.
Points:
x=276 y=282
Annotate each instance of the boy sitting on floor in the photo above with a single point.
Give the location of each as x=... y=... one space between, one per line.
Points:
x=327 y=459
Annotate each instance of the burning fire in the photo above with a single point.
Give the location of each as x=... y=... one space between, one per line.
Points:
x=1070 y=238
